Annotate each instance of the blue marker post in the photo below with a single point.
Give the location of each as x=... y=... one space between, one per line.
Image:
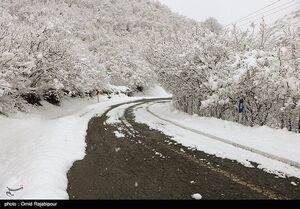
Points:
x=241 y=109
x=241 y=105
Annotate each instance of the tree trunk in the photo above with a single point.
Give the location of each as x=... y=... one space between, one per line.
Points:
x=290 y=123
x=299 y=123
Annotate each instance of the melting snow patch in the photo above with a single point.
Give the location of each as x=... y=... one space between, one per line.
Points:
x=293 y=183
x=118 y=134
x=160 y=155
x=197 y=196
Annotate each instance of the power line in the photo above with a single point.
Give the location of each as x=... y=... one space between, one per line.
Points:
x=295 y=3
x=254 y=12
x=266 y=15
x=250 y=16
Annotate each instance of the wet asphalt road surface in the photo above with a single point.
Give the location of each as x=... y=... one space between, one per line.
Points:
x=147 y=164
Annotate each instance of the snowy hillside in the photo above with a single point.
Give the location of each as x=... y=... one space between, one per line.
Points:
x=126 y=99
x=51 y=49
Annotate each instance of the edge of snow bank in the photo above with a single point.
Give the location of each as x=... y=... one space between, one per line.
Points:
x=38 y=149
x=224 y=129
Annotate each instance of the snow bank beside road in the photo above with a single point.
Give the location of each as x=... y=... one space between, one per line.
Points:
x=155 y=91
x=38 y=149
x=276 y=142
x=115 y=114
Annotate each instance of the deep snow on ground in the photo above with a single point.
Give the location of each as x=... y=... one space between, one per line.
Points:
x=276 y=142
x=38 y=149
x=154 y=91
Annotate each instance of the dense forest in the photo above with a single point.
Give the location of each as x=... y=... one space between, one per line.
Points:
x=55 y=48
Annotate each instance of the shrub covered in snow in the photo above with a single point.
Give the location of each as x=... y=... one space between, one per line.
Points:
x=208 y=71
x=51 y=49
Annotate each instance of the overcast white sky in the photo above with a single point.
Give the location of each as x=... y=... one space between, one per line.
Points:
x=228 y=11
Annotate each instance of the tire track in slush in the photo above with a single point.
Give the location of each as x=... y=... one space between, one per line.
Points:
x=226 y=141
x=127 y=120
x=268 y=193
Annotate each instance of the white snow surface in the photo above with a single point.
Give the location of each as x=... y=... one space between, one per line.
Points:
x=152 y=92
x=115 y=114
x=197 y=196
x=276 y=142
x=38 y=149
x=293 y=183
x=119 y=135
x=156 y=91
x=118 y=88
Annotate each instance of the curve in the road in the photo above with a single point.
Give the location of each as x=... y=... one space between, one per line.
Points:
x=268 y=193
x=95 y=163
x=226 y=141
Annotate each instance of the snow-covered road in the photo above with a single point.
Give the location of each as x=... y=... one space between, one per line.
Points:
x=275 y=151
x=38 y=149
x=146 y=163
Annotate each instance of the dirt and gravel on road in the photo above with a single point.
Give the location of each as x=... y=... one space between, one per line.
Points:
x=142 y=163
